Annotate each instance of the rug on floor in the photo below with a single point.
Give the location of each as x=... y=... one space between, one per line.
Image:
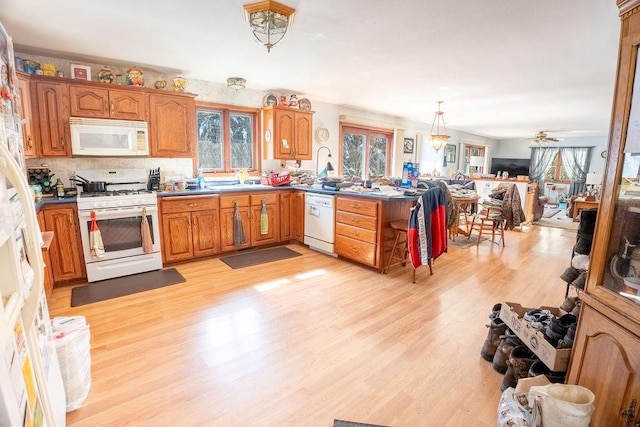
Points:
x=260 y=256
x=341 y=423
x=559 y=220
x=550 y=212
x=127 y=285
x=462 y=242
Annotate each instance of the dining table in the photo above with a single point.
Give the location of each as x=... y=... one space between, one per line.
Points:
x=465 y=206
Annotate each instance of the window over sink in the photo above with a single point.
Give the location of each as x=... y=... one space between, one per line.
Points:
x=227 y=138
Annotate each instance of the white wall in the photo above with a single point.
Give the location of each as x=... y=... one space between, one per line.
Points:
x=521 y=149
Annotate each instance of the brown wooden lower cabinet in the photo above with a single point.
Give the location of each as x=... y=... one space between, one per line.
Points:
x=249 y=207
x=606 y=360
x=297 y=215
x=190 y=227
x=67 y=258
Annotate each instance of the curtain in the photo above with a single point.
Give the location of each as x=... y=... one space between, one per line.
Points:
x=541 y=158
x=576 y=162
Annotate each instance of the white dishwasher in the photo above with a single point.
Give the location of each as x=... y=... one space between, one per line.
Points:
x=319 y=222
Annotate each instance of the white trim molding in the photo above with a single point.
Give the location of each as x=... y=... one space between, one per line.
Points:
x=367 y=122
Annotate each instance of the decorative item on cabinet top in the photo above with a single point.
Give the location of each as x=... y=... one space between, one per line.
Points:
x=179 y=84
x=105 y=75
x=134 y=77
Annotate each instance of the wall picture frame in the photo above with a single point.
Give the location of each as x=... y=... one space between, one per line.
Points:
x=450 y=153
x=408 y=145
x=80 y=72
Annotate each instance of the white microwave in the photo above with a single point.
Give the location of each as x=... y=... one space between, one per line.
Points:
x=104 y=137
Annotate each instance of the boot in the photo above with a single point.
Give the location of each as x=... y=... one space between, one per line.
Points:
x=496 y=329
x=539 y=368
x=508 y=342
x=520 y=360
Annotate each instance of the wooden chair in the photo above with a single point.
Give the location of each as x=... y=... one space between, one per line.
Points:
x=399 y=251
x=488 y=220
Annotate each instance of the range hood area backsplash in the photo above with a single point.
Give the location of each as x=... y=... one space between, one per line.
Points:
x=64 y=168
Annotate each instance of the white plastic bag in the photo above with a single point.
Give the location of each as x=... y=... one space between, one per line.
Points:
x=72 y=338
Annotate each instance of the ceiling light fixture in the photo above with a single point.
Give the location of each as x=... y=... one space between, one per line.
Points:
x=236 y=83
x=269 y=21
x=440 y=137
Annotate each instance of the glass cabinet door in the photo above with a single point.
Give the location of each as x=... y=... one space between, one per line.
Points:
x=617 y=260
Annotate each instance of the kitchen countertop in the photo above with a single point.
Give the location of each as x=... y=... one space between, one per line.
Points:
x=223 y=189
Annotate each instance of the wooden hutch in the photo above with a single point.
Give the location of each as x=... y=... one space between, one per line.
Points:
x=606 y=351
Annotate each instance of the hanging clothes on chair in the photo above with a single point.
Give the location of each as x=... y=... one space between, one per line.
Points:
x=427 y=233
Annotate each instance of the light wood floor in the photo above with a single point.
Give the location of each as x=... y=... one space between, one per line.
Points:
x=302 y=341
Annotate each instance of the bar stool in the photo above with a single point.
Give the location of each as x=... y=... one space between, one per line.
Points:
x=400 y=252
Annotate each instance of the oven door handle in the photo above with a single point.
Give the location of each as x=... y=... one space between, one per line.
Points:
x=117 y=212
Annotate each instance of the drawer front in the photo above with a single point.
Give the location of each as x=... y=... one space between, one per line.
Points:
x=356 y=220
x=229 y=201
x=256 y=199
x=364 y=253
x=357 y=233
x=189 y=203
x=362 y=207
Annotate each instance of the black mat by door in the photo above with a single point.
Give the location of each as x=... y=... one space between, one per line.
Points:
x=260 y=256
x=127 y=285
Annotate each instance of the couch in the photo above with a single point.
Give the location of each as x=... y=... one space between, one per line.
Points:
x=539 y=200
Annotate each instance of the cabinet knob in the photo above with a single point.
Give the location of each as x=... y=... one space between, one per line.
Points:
x=192 y=205
x=113 y=108
x=29 y=142
x=106 y=105
x=62 y=143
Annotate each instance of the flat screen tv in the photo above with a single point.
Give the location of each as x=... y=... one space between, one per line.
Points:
x=515 y=167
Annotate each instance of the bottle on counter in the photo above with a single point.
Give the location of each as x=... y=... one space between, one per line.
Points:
x=200 y=178
x=59 y=188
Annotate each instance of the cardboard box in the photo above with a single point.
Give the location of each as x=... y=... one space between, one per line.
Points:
x=513 y=315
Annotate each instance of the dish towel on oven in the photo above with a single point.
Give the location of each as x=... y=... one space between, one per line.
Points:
x=238 y=230
x=95 y=238
x=147 y=241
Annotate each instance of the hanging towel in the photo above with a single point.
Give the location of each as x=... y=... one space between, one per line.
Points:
x=264 y=218
x=147 y=241
x=95 y=238
x=238 y=230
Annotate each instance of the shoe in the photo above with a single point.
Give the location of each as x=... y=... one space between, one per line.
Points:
x=568 y=304
x=576 y=309
x=495 y=311
x=579 y=282
x=570 y=274
x=537 y=318
x=496 y=329
x=539 y=368
x=508 y=342
x=520 y=361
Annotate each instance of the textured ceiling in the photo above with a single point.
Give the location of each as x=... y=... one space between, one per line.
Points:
x=504 y=68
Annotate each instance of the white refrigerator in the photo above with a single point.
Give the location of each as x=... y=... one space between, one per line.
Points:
x=31 y=388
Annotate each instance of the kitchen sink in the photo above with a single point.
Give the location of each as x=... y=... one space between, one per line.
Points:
x=236 y=186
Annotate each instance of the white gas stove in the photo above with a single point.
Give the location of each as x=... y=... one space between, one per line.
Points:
x=125 y=188
x=118 y=214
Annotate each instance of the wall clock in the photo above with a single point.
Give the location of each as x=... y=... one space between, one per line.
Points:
x=322 y=135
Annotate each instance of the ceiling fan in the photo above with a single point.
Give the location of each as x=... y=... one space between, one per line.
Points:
x=541 y=138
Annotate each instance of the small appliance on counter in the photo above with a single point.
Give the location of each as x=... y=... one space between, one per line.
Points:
x=154 y=180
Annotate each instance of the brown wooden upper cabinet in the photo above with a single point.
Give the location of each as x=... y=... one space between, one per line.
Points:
x=26 y=115
x=53 y=118
x=171 y=125
x=106 y=103
x=287 y=133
